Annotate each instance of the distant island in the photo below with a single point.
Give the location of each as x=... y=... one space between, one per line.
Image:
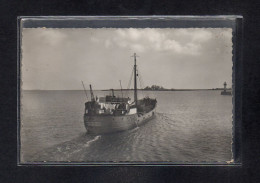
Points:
x=160 y=88
x=155 y=87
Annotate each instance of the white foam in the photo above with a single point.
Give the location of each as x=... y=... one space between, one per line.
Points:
x=86 y=145
x=93 y=140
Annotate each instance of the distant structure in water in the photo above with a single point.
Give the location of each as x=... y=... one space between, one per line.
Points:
x=225 y=92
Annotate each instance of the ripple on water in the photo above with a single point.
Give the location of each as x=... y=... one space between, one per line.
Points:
x=189 y=126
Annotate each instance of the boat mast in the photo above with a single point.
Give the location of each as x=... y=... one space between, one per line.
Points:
x=135 y=84
x=91 y=92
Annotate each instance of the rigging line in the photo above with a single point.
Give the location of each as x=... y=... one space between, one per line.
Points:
x=143 y=84
x=121 y=88
x=84 y=90
x=141 y=87
x=129 y=83
x=130 y=80
x=141 y=79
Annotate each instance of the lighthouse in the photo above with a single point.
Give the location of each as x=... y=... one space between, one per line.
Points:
x=225 y=92
x=225 y=86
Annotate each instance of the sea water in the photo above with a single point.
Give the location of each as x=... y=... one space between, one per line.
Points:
x=190 y=126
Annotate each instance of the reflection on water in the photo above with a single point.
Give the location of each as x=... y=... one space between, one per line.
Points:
x=189 y=126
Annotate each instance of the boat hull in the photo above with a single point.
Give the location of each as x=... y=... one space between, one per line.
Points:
x=97 y=124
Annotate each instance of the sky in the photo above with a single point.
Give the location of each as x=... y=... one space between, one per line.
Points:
x=179 y=58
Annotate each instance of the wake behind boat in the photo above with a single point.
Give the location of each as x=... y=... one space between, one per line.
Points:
x=112 y=114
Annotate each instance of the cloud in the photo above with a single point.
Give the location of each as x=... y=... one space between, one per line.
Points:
x=134 y=34
x=227 y=34
x=194 y=35
x=137 y=47
x=51 y=36
x=178 y=58
x=177 y=41
x=94 y=39
x=107 y=43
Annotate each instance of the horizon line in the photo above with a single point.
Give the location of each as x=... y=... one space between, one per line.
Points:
x=124 y=89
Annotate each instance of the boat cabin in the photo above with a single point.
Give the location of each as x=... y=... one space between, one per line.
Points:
x=109 y=105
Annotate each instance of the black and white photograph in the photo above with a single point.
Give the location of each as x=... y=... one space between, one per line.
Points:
x=132 y=94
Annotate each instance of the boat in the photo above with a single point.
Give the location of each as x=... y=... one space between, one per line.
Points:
x=111 y=114
x=225 y=92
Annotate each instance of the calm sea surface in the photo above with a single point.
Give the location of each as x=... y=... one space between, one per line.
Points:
x=190 y=126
